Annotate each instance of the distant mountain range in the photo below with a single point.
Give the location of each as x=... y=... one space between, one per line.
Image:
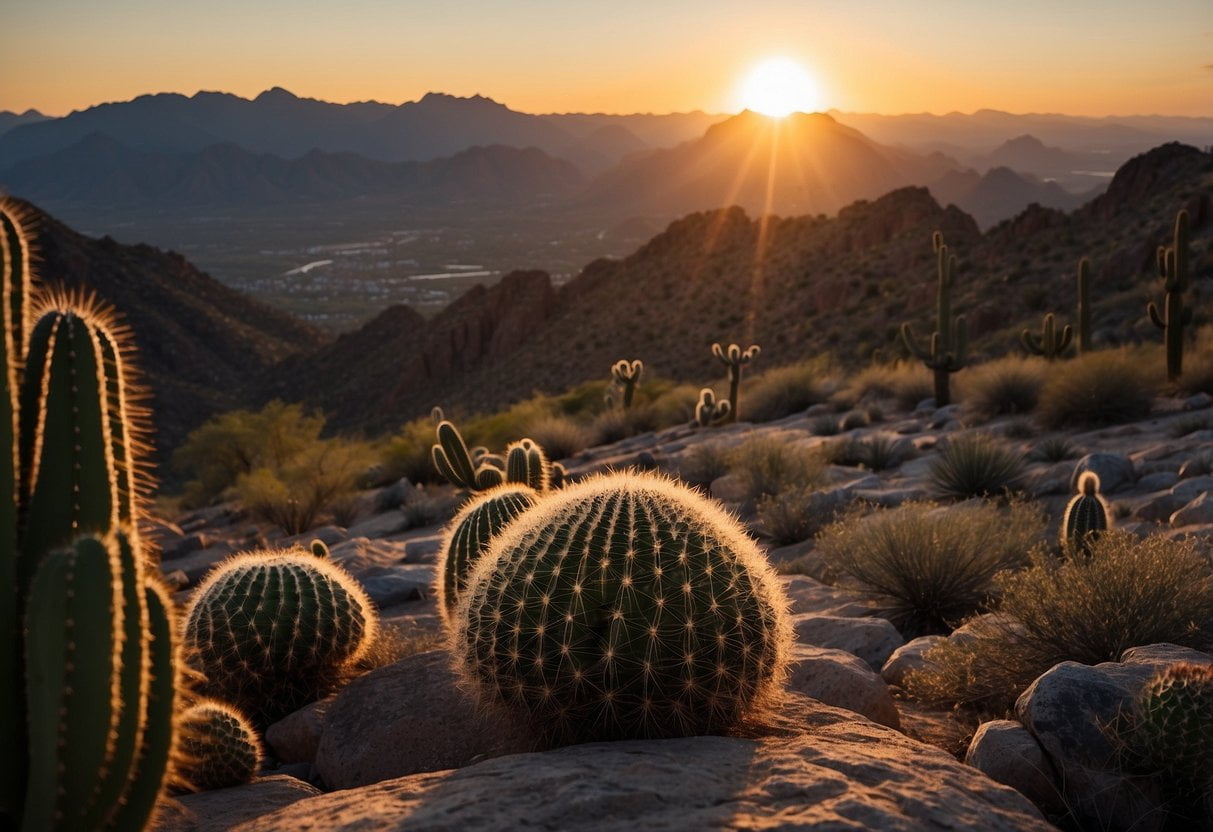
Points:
x=1001 y=193
x=9 y=120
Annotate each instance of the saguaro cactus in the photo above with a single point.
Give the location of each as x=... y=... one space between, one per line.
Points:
x=1049 y=343
x=1084 y=306
x=734 y=358
x=1173 y=269
x=949 y=343
x=627 y=375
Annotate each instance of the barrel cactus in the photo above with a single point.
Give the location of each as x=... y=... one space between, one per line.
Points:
x=624 y=606
x=526 y=463
x=275 y=630
x=1171 y=729
x=709 y=410
x=468 y=536
x=219 y=748
x=1086 y=516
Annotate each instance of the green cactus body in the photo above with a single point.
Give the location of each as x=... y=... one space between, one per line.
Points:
x=627 y=374
x=624 y=606
x=948 y=347
x=218 y=746
x=1172 y=728
x=273 y=631
x=734 y=358
x=1048 y=343
x=1086 y=516
x=1084 y=306
x=454 y=462
x=527 y=464
x=468 y=535
x=1173 y=269
x=708 y=410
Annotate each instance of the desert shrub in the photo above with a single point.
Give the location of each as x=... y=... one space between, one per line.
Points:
x=294 y=494
x=853 y=420
x=391 y=645
x=496 y=430
x=783 y=391
x=906 y=383
x=704 y=463
x=845 y=451
x=1190 y=424
x=407 y=454
x=976 y=465
x=674 y=405
x=1004 y=387
x=1019 y=429
x=765 y=465
x=559 y=436
x=824 y=425
x=928 y=567
x=792 y=515
x=1055 y=449
x=1198 y=364
x=881 y=452
x=612 y=424
x=1127 y=593
x=430 y=507
x=235 y=444
x=1099 y=388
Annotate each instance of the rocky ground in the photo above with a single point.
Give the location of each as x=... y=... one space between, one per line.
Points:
x=401 y=747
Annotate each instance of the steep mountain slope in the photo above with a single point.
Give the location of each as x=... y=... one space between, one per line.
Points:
x=1000 y=193
x=9 y=120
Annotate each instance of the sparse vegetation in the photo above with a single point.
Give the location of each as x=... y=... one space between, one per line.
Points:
x=1190 y=424
x=295 y=494
x=560 y=436
x=976 y=465
x=704 y=463
x=1007 y=386
x=783 y=391
x=792 y=515
x=768 y=466
x=1098 y=388
x=1055 y=449
x=905 y=383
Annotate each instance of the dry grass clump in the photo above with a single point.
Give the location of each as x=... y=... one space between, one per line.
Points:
x=1198 y=364
x=1098 y=388
x=783 y=391
x=765 y=465
x=703 y=463
x=906 y=383
x=792 y=515
x=391 y=645
x=976 y=465
x=1055 y=449
x=878 y=452
x=1004 y=387
x=559 y=436
x=1128 y=593
x=929 y=567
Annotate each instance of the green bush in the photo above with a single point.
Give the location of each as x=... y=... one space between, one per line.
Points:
x=703 y=463
x=929 y=567
x=295 y=494
x=407 y=454
x=559 y=436
x=765 y=465
x=976 y=465
x=1004 y=387
x=1098 y=388
x=792 y=515
x=783 y=391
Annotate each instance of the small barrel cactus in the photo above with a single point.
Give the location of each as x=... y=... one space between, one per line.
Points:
x=1171 y=731
x=219 y=747
x=525 y=462
x=273 y=631
x=1086 y=516
x=468 y=536
x=708 y=410
x=621 y=607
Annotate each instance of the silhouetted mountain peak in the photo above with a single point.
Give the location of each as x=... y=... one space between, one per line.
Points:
x=276 y=95
x=1025 y=142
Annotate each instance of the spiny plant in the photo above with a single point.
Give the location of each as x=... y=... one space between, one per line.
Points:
x=1169 y=730
x=1048 y=343
x=1086 y=516
x=468 y=536
x=1173 y=269
x=87 y=670
x=527 y=464
x=976 y=465
x=1084 y=306
x=949 y=342
x=734 y=358
x=275 y=630
x=627 y=374
x=709 y=411
x=624 y=606
x=454 y=461
x=219 y=747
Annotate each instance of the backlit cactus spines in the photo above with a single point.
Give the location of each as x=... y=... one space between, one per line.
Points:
x=1086 y=516
x=273 y=631
x=1048 y=343
x=734 y=358
x=948 y=347
x=454 y=462
x=627 y=375
x=319 y=549
x=708 y=410
x=1173 y=269
x=468 y=535
x=624 y=606
x=219 y=748
x=526 y=463
x=1171 y=730
x=437 y=415
x=1084 y=306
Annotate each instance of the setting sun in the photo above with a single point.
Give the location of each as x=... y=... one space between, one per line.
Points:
x=779 y=86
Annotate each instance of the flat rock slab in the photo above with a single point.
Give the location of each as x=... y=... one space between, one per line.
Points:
x=823 y=770
x=227 y=808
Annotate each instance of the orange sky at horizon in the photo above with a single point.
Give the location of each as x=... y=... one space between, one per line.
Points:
x=1082 y=57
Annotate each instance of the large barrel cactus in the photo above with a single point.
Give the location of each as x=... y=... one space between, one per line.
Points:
x=468 y=536
x=273 y=631
x=624 y=606
x=219 y=748
x=1171 y=730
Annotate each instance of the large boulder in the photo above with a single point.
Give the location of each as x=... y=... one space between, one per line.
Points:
x=226 y=808
x=1008 y=753
x=1115 y=471
x=872 y=639
x=296 y=737
x=820 y=768
x=811 y=596
x=908 y=658
x=842 y=680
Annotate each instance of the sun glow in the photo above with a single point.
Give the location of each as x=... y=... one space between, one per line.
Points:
x=779 y=86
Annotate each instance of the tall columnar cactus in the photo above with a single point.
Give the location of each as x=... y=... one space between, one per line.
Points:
x=735 y=358
x=468 y=535
x=1048 y=343
x=624 y=606
x=709 y=410
x=1086 y=516
x=627 y=375
x=1171 y=728
x=527 y=464
x=949 y=342
x=1084 y=306
x=454 y=461
x=273 y=631
x=219 y=748
x=1173 y=269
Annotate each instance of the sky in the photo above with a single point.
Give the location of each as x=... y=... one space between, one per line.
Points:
x=890 y=56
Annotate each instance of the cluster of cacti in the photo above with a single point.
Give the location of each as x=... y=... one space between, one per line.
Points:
x=273 y=631
x=1173 y=269
x=524 y=463
x=87 y=669
x=219 y=748
x=949 y=342
x=527 y=464
x=1048 y=343
x=624 y=606
x=626 y=374
x=1170 y=729
x=709 y=410
x=1086 y=516
x=734 y=358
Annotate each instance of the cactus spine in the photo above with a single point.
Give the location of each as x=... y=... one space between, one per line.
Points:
x=709 y=411
x=627 y=375
x=1084 y=306
x=219 y=746
x=1173 y=269
x=949 y=342
x=734 y=358
x=1171 y=731
x=1086 y=516
x=454 y=461
x=624 y=606
x=273 y=631
x=527 y=464
x=1049 y=343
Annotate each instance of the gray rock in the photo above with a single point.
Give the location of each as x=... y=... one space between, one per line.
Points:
x=228 y=808
x=871 y=639
x=1009 y=754
x=1199 y=512
x=1158 y=481
x=328 y=535
x=1115 y=471
x=295 y=738
x=819 y=769
x=842 y=680
x=1193 y=468
x=1198 y=401
x=808 y=595
x=907 y=658
x=1192 y=487
x=184 y=545
x=395 y=495
x=1162 y=655
x=378 y=525
x=1159 y=509
x=388 y=585
x=361 y=554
